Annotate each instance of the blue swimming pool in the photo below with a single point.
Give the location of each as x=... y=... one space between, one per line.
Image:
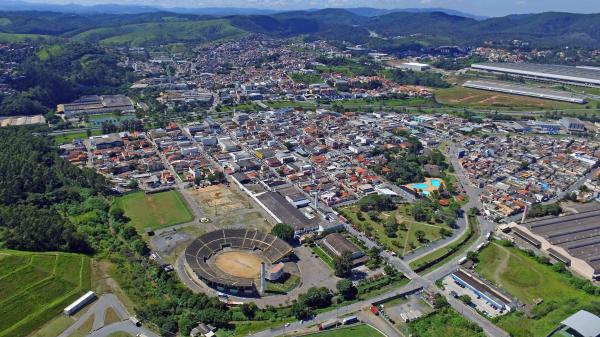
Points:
x=420 y=186
x=436 y=183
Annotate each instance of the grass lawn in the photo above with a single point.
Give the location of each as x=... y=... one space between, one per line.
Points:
x=97 y=120
x=284 y=287
x=155 y=210
x=249 y=327
x=444 y=322
x=459 y=96
x=361 y=330
x=323 y=256
x=69 y=137
x=405 y=240
x=451 y=251
x=290 y=104
x=35 y=287
x=527 y=279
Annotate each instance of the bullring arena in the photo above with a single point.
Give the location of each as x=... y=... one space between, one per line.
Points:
x=229 y=260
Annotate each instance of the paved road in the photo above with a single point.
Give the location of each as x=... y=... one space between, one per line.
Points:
x=417 y=281
x=98 y=310
x=344 y=311
x=125 y=326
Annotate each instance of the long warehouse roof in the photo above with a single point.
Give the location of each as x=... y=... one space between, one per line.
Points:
x=556 y=72
x=525 y=91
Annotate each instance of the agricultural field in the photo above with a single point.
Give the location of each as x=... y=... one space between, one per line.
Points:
x=155 y=211
x=406 y=237
x=528 y=280
x=466 y=97
x=361 y=330
x=35 y=287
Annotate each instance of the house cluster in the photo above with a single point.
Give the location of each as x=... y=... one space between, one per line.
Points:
x=308 y=155
x=125 y=157
x=257 y=68
x=180 y=152
x=515 y=170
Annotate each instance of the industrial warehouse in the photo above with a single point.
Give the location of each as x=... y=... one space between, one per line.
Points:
x=572 y=239
x=554 y=73
x=522 y=90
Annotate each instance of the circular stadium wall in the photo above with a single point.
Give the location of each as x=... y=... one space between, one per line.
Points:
x=229 y=260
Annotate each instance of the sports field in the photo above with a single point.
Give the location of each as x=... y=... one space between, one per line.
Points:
x=35 y=287
x=527 y=279
x=239 y=264
x=466 y=97
x=362 y=330
x=155 y=211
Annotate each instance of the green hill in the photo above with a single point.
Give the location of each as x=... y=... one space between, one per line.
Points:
x=162 y=32
x=34 y=287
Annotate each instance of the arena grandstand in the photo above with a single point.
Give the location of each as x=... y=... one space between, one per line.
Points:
x=239 y=272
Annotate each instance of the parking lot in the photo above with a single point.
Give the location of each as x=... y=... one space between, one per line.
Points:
x=457 y=290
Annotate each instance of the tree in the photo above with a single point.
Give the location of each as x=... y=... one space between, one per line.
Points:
x=283 y=231
x=249 y=309
x=465 y=298
x=391 y=227
x=421 y=236
x=419 y=212
x=316 y=297
x=346 y=289
x=343 y=264
x=472 y=256
x=301 y=311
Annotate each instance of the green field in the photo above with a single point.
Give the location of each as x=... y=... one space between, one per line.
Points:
x=328 y=260
x=459 y=96
x=155 y=210
x=527 y=279
x=35 y=287
x=452 y=251
x=405 y=240
x=69 y=137
x=361 y=330
x=444 y=322
x=291 y=282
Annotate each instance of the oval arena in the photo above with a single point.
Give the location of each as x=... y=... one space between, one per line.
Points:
x=229 y=260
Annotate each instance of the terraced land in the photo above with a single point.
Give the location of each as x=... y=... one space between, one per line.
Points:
x=34 y=287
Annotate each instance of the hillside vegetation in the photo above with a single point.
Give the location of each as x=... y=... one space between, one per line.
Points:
x=162 y=32
x=396 y=31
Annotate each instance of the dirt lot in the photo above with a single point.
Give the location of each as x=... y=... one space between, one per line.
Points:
x=229 y=207
x=240 y=264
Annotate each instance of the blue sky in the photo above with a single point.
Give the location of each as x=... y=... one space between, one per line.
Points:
x=481 y=7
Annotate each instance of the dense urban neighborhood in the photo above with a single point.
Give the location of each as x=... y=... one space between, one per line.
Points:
x=174 y=174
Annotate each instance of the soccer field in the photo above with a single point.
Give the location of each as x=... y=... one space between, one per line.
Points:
x=155 y=211
x=34 y=287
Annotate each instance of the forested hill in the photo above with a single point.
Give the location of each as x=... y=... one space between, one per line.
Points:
x=387 y=29
x=41 y=195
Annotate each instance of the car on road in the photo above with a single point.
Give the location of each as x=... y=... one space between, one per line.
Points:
x=204 y=220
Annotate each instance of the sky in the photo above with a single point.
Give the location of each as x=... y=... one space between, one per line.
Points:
x=479 y=7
